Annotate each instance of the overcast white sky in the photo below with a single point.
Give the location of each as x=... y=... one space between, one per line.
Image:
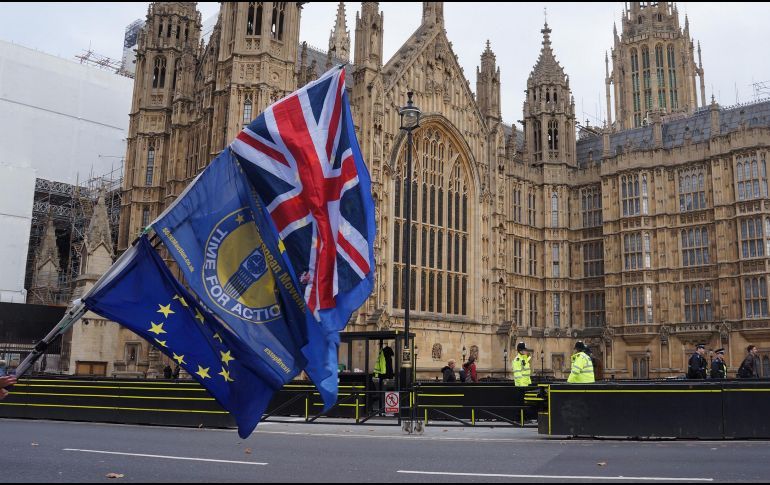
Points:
x=733 y=38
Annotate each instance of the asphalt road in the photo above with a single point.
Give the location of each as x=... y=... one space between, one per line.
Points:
x=46 y=451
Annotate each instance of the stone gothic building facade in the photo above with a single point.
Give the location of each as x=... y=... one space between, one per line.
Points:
x=642 y=237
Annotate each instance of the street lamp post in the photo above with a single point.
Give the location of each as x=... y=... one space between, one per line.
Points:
x=410 y=120
x=505 y=363
x=542 y=363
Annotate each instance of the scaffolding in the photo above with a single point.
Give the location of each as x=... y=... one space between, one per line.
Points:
x=92 y=58
x=71 y=208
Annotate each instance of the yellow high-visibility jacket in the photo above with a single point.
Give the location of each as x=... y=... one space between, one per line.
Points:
x=582 y=369
x=379 y=367
x=521 y=370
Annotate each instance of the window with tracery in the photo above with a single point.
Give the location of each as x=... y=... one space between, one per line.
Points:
x=755 y=297
x=751 y=175
x=661 y=76
x=695 y=246
x=637 y=251
x=635 y=88
x=646 y=77
x=247 y=109
x=159 y=73
x=150 y=166
x=276 y=26
x=635 y=201
x=672 y=90
x=254 y=19
x=638 y=304
x=692 y=189
x=697 y=303
x=440 y=234
x=591 y=200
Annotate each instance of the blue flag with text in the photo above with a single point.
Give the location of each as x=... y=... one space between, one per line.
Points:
x=230 y=255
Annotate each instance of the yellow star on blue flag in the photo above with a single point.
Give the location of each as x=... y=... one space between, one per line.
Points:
x=226 y=375
x=226 y=357
x=165 y=310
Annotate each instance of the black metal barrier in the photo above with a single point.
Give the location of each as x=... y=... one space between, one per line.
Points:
x=129 y=401
x=469 y=403
x=676 y=409
x=186 y=403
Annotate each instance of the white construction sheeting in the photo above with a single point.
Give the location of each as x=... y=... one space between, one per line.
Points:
x=17 y=191
x=61 y=118
x=60 y=121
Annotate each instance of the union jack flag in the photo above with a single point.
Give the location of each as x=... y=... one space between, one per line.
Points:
x=302 y=157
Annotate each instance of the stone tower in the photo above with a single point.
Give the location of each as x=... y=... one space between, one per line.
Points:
x=45 y=281
x=549 y=110
x=339 y=40
x=259 y=43
x=549 y=128
x=172 y=29
x=653 y=65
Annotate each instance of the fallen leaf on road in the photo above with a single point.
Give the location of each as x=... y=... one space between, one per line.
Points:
x=247 y=451
x=602 y=463
x=114 y=475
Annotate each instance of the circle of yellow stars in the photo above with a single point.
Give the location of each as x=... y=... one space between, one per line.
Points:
x=202 y=372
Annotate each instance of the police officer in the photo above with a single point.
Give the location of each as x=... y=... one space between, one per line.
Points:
x=718 y=365
x=521 y=367
x=582 y=368
x=697 y=366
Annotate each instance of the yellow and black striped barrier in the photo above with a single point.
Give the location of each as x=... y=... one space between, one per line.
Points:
x=143 y=401
x=662 y=409
x=470 y=403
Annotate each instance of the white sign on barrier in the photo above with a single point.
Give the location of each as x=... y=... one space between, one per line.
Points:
x=391 y=402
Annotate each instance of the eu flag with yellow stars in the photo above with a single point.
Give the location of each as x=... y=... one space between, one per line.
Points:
x=140 y=293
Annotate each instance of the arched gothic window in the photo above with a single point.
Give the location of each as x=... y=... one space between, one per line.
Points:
x=159 y=73
x=537 y=137
x=247 y=109
x=276 y=26
x=553 y=139
x=637 y=108
x=554 y=210
x=672 y=90
x=150 y=166
x=441 y=271
x=660 y=71
x=254 y=19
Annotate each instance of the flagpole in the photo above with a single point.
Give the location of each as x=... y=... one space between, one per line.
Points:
x=72 y=316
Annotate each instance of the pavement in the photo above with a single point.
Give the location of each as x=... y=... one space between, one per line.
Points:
x=48 y=451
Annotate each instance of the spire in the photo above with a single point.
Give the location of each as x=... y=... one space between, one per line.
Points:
x=546 y=35
x=99 y=227
x=547 y=68
x=48 y=249
x=339 y=40
x=488 y=85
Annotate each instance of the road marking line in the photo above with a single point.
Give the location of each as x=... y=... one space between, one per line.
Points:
x=558 y=477
x=166 y=457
